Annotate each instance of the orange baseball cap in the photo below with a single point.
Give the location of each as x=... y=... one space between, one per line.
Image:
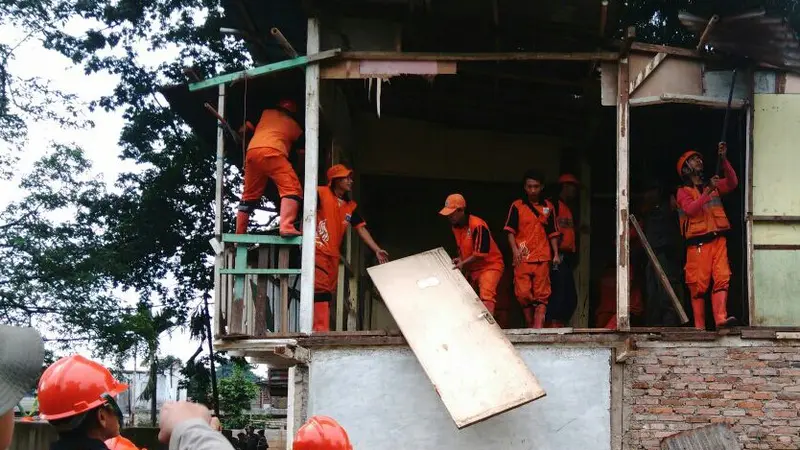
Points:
x=453 y=202
x=568 y=178
x=338 y=171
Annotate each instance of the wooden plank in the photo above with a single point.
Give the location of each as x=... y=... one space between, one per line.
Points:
x=787 y=335
x=659 y=270
x=283 y=261
x=311 y=178
x=758 y=334
x=653 y=48
x=776 y=246
x=711 y=437
x=267 y=239
x=776 y=218
x=508 y=56
x=297 y=401
x=262 y=299
x=623 y=199
x=350 y=69
x=699 y=100
x=219 y=258
x=266 y=69
x=238 y=306
x=748 y=202
x=449 y=329
x=648 y=69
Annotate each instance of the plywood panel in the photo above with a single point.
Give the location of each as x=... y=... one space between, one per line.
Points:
x=474 y=368
x=792 y=84
x=776 y=233
x=777 y=287
x=775 y=157
x=396 y=408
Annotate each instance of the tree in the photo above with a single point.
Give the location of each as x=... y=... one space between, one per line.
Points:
x=236 y=390
x=167 y=364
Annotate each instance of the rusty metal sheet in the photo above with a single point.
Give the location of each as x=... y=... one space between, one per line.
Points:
x=711 y=437
x=474 y=368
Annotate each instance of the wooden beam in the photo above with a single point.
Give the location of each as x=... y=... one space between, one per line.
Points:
x=659 y=270
x=623 y=200
x=707 y=32
x=297 y=407
x=219 y=258
x=626 y=350
x=627 y=42
x=261 y=300
x=651 y=66
x=266 y=69
x=675 y=51
x=780 y=219
x=508 y=56
x=311 y=181
x=710 y=102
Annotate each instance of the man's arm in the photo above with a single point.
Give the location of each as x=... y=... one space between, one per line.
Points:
x=730 y=180
x=691 y=207
x=184 y=426
x=553 y=234
x=383 y=255
x=511 y=228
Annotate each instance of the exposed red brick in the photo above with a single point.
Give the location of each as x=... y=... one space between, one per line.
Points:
x=769 y=357
x=787 y=413
x=750 y=404
x=709 y=394
x=764 y=395
x=640 y=385
x=708 y=411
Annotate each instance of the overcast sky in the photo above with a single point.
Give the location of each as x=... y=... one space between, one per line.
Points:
x=99 y=143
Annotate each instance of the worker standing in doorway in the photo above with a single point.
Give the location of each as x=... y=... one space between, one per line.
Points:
x=703 y=225
x=478 y=255
x=268 y=158
x=335 y=211
x=564 y=298
x=533 y=239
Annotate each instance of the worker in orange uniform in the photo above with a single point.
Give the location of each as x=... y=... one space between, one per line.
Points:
x=335 y=211
x=321 y=433
x=268 y=158
x=533 y=238
x=564 y=298
x=121 y=443
x=478 y=255
x=76 y=395
x=703 y=224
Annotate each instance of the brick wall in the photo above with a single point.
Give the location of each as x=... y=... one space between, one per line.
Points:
x=754 y=386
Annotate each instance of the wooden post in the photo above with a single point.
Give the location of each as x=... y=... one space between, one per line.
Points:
x=297 y=407
x=623 y=198
x=260 y=316
x=219 y=259
x=580 y=319
x=283 y=263
x=748 y=202
x=311 y=175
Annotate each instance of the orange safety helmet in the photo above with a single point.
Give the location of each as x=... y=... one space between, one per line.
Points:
x=568 y=178
x=685 y=157
x=321 y=433
x=288 y=105
x=74 y=385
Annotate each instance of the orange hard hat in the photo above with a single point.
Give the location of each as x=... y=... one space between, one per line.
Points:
x=74 y=385
x=120 y=443
x=288 y=105
x=321 y=433
x=685 y=157
x=568 y=178
x=338 y=171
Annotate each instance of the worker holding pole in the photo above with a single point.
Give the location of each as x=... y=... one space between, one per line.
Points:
x=564 y=298
x=533 y=238
x=336 y=210
x=703 y=225
x=268 y=158
x=478 y=254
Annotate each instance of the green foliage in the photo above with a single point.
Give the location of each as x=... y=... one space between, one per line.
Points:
x=236 y=391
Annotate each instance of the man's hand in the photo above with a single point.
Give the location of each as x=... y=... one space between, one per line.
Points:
x=383 y=256
x=174 y=413
x=722 y=149
x=557 y=259
x=517 y=256
x=712 y=184
x=457 y=263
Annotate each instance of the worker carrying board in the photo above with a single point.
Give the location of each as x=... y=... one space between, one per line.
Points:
x=336 y=210
x=268 y=159
x=533 y=238
x=703 y=225
x=478 y=255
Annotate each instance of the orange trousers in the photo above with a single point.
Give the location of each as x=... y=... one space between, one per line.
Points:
x=707 y=262
x=485 y=283
x=322 y=316
x=263 y=164
x=326 y=278
x=532 y=283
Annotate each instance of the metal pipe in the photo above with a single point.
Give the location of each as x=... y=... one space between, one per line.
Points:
x=707 y=32
x=603 y=17
x=283 y=42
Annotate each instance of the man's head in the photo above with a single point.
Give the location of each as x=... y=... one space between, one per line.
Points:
x=321 y=433
x=532 y=184
x=21 y=359
x=76 y=395
x=454 y=209
x=569 y=186
x=340 y=178
x=690 y=163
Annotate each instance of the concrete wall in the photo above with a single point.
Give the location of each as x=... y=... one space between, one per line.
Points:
x=385 y=401
x=753 y=386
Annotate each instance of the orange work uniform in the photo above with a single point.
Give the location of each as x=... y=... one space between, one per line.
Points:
x=703 y=223
x=485 y=271
x=268 y=157
x=334 y=214
x=532 y=226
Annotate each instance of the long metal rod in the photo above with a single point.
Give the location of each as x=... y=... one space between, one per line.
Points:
x=724 y=137
x=311 y=179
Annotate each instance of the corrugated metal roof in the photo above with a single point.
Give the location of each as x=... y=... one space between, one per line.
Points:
x=754 y=35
